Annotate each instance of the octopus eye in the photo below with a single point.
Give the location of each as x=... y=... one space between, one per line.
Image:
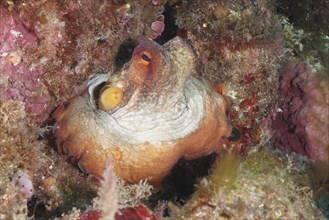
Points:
x=109 y=98
x=146 y=58
x=235 y=135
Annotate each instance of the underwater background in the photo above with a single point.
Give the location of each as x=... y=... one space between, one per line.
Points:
x=270 y=58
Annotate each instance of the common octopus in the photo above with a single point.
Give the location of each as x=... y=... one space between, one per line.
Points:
x=144 y=117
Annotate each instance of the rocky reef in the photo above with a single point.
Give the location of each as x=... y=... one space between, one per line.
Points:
x=53 y=44
x=266 y=185
x=302 y=126
x=266 y=62
x=240 y=45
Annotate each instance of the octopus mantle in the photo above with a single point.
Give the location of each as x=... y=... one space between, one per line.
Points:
x=166 y=112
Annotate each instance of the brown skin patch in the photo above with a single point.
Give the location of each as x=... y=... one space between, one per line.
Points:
x=145 y=66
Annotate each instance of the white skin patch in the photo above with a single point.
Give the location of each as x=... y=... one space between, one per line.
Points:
x=166 y=120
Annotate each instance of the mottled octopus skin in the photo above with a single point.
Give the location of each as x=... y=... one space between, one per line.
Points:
x=167 y=113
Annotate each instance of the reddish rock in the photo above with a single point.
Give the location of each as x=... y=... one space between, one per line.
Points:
x=19 y=80
x=91 y=215
x=303 y=124
x=139 y=212
x=240 y=46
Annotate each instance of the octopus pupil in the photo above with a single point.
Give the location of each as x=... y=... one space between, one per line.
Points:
x=146 y=58
x=235 y=135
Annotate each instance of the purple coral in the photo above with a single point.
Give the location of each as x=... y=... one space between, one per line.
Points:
x=156 y=2
x=158 y=27
x=303 y=124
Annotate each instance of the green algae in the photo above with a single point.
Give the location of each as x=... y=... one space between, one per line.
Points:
x=263 y=186
x=303 y=46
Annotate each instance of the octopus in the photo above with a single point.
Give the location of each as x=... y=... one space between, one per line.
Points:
x=145 y=116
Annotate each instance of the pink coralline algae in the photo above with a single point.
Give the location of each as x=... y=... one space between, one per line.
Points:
x=156 y=2
x=158 y=27
x=18 y=80
x=139 y=212
x=302 y=124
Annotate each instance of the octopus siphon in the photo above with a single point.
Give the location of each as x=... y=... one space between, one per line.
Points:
x=145 y=116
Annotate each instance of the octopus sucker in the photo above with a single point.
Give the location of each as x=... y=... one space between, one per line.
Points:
x=144 y=117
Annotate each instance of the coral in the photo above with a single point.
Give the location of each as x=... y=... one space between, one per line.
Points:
x=166 y=113
x=240 y=46
x=18 y=80
x=17 y=136
x=21 y=150
x=134 y=194
x=139 y=212
x=232 y=24
x=158 y=27
x=12 y=203
x=262 y=187
x=117 y=200
x=108 y=193
x=303 y=46
x=313 y=15
x=302 y=125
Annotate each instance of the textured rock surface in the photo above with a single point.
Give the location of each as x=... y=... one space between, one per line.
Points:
x=240 y=44
x=303 y=124
x=48 y=48
x=261 y=186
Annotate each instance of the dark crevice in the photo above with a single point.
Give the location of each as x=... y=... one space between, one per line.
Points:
x=181 y=183
x=126 y=49
x=124 y=53
x=235 y=134
x=96 y=93
x=311 y=15
x=171 y=28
